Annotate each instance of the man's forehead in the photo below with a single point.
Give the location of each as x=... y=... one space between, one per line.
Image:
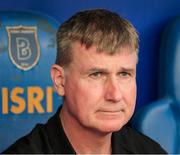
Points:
x=90 y=58
x=81 y=54
x=78 y=47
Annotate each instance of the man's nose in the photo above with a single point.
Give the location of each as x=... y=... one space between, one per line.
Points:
x=113 y=91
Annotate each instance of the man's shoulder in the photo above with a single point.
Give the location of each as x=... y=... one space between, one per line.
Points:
x=48 y=138
x=136 y=142
x=135 y=136
x=38 y=140
x=30 y=143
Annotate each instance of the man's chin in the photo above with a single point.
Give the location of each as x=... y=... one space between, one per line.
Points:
x=111 y=127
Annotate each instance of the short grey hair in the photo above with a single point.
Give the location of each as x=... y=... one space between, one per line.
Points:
x=100 y=27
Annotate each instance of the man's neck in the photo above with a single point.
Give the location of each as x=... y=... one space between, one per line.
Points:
x=85 y=140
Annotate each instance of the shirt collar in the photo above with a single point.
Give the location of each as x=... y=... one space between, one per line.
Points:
x=57 y=136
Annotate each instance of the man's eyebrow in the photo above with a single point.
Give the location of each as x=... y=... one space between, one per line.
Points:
x=106 y=71
x=128 y=69
x=97 y=69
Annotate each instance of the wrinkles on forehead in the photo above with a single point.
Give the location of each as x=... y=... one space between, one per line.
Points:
x=82 y=55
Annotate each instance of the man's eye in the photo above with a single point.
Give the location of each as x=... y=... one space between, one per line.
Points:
x=96 y=75
x=124 y=74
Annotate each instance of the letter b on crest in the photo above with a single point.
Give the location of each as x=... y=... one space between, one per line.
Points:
x=23 y=48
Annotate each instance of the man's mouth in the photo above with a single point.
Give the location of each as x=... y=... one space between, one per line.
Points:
x=111 y=111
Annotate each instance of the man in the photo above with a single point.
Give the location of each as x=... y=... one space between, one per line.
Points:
x=95 y=72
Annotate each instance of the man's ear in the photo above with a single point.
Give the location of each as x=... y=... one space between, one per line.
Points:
x=58 y=78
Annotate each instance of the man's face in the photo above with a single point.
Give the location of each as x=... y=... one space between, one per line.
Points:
x=100 y=89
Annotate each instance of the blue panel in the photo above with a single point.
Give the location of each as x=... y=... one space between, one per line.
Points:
x=161 y=119
x=27 y=51
x=156 y=120
x=169 y=71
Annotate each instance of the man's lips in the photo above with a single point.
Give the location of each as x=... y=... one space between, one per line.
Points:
x=110 y=114
x=111 y=111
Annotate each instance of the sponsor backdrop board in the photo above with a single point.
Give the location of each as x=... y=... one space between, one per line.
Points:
x=27 y=51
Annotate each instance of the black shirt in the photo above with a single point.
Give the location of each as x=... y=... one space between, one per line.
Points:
x=50 y=138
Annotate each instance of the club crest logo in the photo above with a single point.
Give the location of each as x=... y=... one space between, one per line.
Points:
x=24 y=49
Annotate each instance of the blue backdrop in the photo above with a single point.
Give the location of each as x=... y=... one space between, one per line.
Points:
x=148 y=16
